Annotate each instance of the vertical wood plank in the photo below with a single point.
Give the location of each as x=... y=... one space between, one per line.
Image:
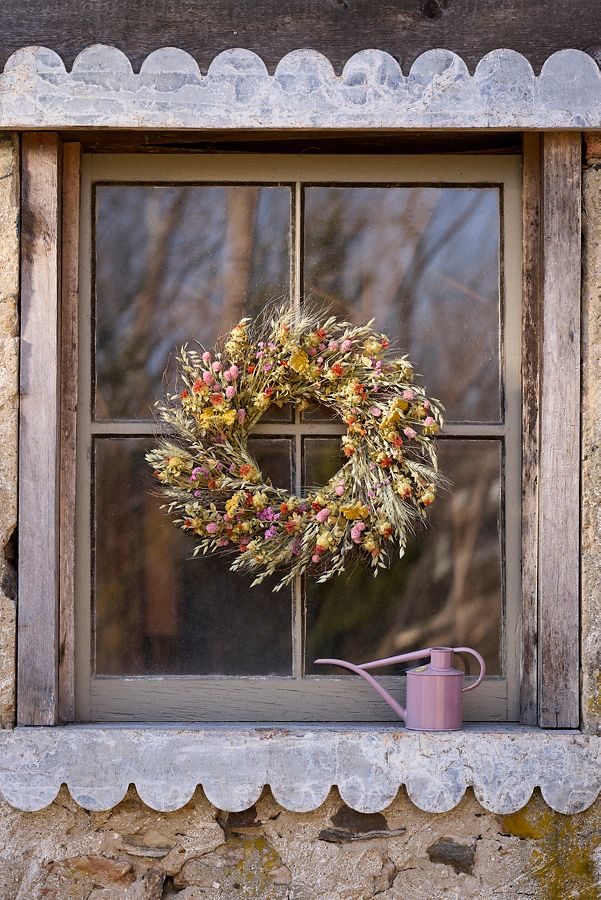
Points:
x=531 y=335
x=68 y=414
x=38 y=433
x=559 y=482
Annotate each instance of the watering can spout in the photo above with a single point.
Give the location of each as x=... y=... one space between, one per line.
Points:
x=383 y=693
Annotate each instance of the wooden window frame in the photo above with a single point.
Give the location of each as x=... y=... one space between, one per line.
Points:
x=551 y=427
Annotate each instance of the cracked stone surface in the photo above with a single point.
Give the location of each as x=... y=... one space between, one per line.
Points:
x=301 y=763
x=237 y=92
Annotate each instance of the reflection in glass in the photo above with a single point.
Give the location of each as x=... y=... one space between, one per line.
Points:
x=445 y=591
x=322 y=458
x=424 y=263
x=157 y=611
x=175 y=264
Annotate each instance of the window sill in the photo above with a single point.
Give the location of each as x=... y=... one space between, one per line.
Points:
x=300 y=762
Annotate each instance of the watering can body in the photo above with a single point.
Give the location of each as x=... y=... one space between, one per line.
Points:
x=434 y=691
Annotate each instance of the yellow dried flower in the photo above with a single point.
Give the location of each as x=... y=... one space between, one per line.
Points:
x=299 y=361
x=354 y=511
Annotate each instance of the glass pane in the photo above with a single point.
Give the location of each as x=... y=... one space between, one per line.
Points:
x=274 y=458
x=176 y=264
x=159 y=612
x=424 y=263
x=278 y=413
x=322 y=457
x=316 y=412
x=445 y=591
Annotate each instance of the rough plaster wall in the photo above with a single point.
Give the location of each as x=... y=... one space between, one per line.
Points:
x=267 y=853
x=9 y=290
x=591 y=439
x=134 y=853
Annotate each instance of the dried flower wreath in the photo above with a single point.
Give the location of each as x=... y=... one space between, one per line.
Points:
x=215 y=486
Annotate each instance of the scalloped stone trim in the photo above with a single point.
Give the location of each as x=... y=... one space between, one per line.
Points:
x=503 y=764
x=102 y=90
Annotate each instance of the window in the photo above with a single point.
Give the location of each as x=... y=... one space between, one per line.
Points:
x=174 y=248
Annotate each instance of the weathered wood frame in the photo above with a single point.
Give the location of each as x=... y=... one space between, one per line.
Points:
x=551 y=429
x=550 y=673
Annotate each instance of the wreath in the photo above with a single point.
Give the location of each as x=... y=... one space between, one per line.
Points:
x=214 y=485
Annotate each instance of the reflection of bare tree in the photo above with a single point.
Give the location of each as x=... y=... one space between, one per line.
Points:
x=446 y=590
x=238 y=246
x=172 y=264
x=469 y=611
x=424 y=262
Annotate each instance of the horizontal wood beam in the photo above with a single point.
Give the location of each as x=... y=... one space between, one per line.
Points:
x=272 y=28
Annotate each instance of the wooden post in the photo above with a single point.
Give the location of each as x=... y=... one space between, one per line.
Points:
x=38 y=433
x=531 y=339
x=68 y=416
x=559 y=481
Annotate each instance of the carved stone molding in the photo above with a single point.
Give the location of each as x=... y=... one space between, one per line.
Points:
x=502 y=763
x=101 y=90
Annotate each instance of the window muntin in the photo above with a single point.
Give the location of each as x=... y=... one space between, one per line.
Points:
x=415 y=180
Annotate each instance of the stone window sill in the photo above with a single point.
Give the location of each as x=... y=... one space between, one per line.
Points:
x=169 y=91
x=300 y=762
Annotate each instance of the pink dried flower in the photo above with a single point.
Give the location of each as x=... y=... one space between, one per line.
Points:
x=217 y=367
x=356 y=530
x=234 y=371
x=212 y=528
x=346 y=345
x=339 y=489
x=206 y=357
x=315 y=558
x=241 y=415
x=408 y=395
x=270 y=533
x=222 y=542
x=322 y=515
x=268 y=367
x=230 y=391
x=207 y=378
x=375 y=411
x=428 y=420
x=409 y=432
x=311 y=351
x=198 y=493
x=333 y=345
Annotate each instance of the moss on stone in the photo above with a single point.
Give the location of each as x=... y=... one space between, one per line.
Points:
x=563 y=852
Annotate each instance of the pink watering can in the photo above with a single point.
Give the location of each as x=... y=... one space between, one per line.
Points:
x=434 y=691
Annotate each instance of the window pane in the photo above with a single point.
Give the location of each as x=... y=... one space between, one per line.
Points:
x=176 y=264
x=445 y=591
x=157 y=611
x=424 y=263
x=322 y=457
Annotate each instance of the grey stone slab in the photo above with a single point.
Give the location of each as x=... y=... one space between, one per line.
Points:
x=502 y=763
x=101 y=90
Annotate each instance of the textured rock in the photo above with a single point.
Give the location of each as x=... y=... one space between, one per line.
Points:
x=448 y=852
x=304 y=92
x=9 y=291
x=591 y=450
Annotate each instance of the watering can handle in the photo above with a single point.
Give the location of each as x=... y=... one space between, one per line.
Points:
x=481 y=662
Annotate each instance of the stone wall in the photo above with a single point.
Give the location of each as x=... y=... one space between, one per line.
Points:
x=267 y=852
